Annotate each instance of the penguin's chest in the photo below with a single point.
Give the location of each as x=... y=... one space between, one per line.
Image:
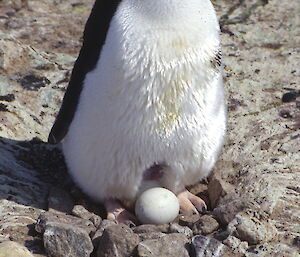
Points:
x=153 y=85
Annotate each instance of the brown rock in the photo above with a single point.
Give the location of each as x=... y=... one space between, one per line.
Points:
x=205 y=225
x=151 y=235
x=100 y=229
x=147 y=228
x=13 y=249
x=172 y=245
x=117 y=240
x=188 y=220
x=218 y=183
x=81 y=212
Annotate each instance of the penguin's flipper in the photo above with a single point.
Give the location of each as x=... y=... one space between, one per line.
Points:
x=93 y=39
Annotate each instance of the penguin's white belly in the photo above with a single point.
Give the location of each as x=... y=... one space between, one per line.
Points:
x=145 y=105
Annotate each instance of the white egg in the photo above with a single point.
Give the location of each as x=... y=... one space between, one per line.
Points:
x=157 y=206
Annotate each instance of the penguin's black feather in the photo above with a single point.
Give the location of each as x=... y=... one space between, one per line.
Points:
x=93 y=39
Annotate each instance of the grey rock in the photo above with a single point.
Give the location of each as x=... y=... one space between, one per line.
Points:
x=60 y=200
x=147 y=228
x=205 y=225
x=81 y=212
x=63 y=219
x=176 y=228
x=151 y=235
x=209 y=247
x=66 y=240
x=117 y=240
x=228 y=209
x=252 y=227
x=172 y=245
x=274 y=249
x=13 y=249
x=236 y=245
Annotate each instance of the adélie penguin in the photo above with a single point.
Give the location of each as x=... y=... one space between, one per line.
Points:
x=145 y=103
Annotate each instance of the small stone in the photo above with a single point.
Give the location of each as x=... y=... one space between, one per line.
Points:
x=253 y=228
x=218 y=187
x=172 y=245
x=61 y=240
x=209 y=247
x=98 y=233
x=117 y=240
x=226 y=212
x=60 y=200
x=13 y=249
x=151 y=235
x=188 y=220
x=147 y=228
x=60 y=218
x=176 y=228
x=81 y=212
x=236 y=245
x=205 y=225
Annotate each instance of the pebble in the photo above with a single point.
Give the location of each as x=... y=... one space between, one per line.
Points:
x=176 y=228
x=117 y=240
x=13 y=249
x=61 y=240
x=188 y=220
x=81 y=212
x=172 y=245
x=208 y=247
x=205 y=225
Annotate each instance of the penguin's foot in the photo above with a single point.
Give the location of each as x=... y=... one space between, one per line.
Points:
x=116 y=212
x=190 y=204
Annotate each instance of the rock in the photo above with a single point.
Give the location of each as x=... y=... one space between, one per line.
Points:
x=275 y=249
x=209 y=247
x=252 y=227
x=60 y=200
x=100 y=229
x=218 y=182
x=176 y=228
x=188 y=220
x=13 y=249
x=61 y=240
x=59 y=218
x=117 y=240
x=151 y=235
x=226 y=211
x=147 y=228
x=81 y=212
x=172 y=245
x=205 y=225
x=236 y=245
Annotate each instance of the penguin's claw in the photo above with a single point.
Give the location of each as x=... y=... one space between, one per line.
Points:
x=116 y=212
x=190 y=204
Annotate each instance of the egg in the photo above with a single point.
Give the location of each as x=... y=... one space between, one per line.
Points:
x=157 y=206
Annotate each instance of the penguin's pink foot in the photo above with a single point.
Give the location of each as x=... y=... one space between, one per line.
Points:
x=116 y=212
x=190 y=204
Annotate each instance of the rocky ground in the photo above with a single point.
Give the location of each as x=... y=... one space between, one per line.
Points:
x=253 y=194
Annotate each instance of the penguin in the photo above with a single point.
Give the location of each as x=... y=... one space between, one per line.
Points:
x=145 y=102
